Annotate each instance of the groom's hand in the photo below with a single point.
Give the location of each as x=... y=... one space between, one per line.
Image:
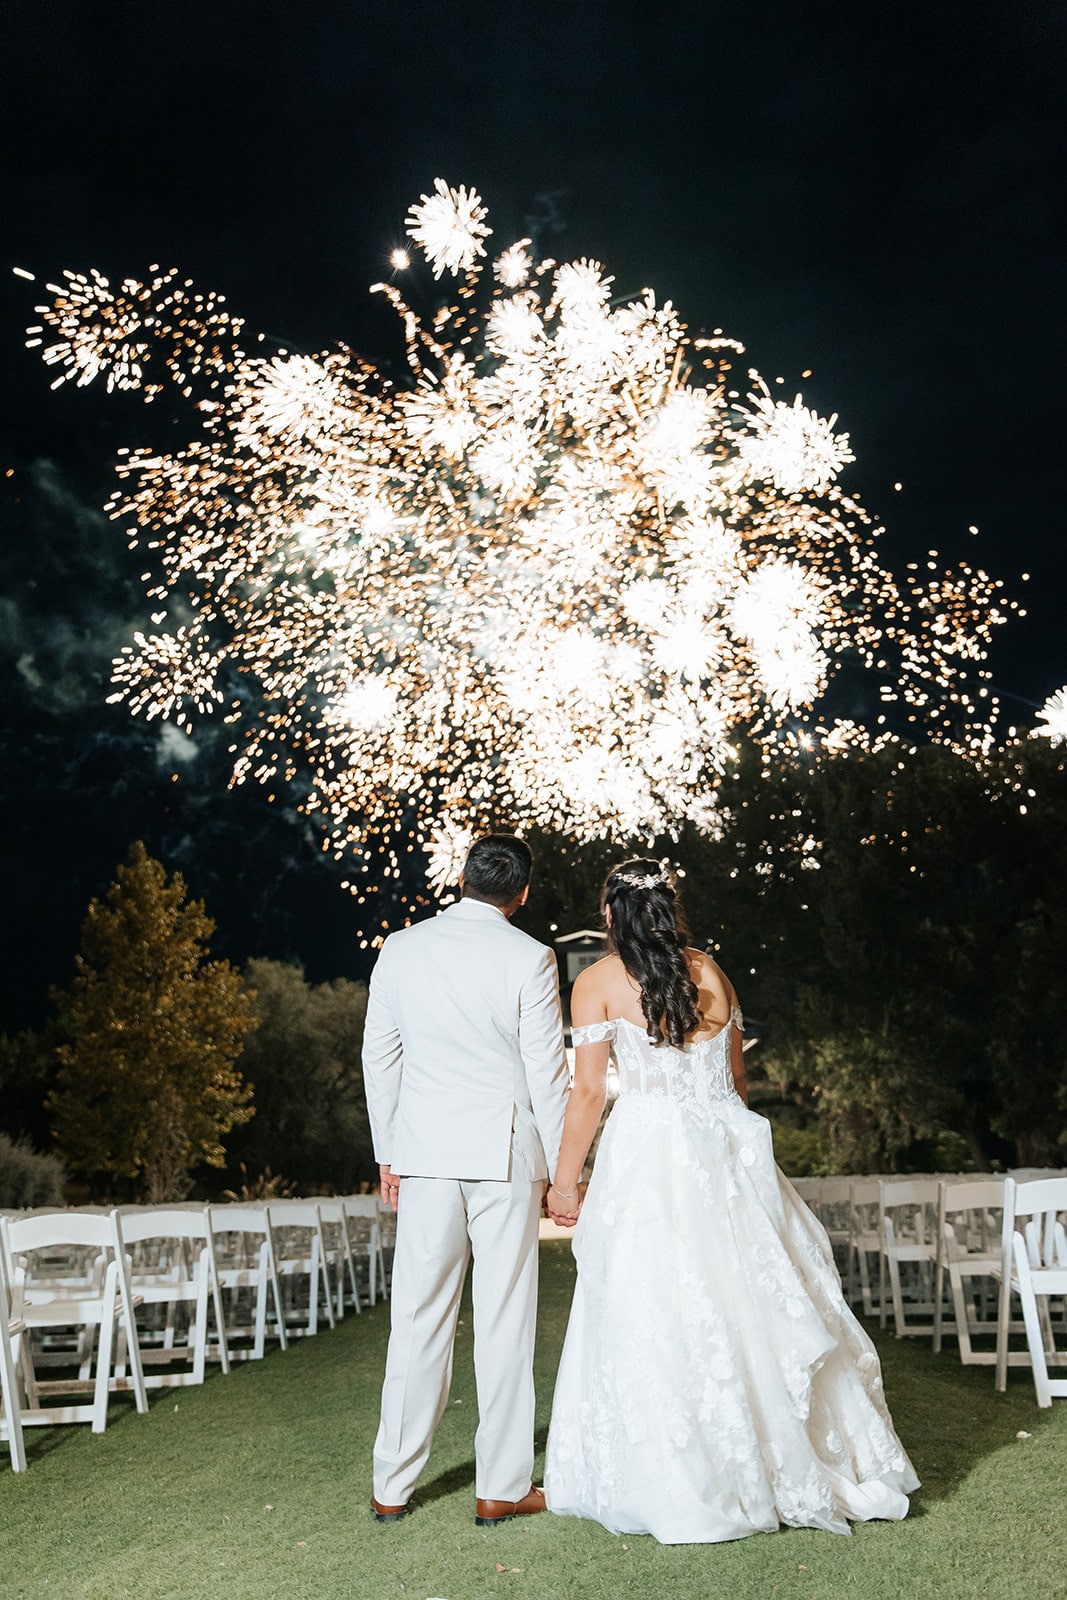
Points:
x=390 y=1187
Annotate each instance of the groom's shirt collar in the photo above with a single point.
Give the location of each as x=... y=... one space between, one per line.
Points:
x=474 y=909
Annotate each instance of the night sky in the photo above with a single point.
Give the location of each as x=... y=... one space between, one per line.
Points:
x=871 y=192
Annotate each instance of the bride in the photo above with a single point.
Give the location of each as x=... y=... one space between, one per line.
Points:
x=713 y=1381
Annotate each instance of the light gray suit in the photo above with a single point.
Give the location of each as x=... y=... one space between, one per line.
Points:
x=467 y=1083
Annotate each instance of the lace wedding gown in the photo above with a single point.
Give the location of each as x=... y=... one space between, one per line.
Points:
x=713 y=1381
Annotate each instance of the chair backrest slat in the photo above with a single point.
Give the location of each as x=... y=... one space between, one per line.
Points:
x=1040 y=1195
x=966 y=1196
x=58 y=1228
x=137 y=1224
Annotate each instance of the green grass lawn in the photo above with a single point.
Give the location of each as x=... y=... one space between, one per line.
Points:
x=256 y=1487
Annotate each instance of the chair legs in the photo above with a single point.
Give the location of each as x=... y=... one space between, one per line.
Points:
x=103 y=1355
x=1038 y=1327
x=9 y=1393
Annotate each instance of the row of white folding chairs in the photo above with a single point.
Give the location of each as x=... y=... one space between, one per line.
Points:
x=851 y=1209
x=963 y=1238
x=899 y=1220
x=74 y=1280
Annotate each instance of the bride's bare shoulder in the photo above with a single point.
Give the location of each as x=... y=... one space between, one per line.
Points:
x=716 y=991
x=599 y=977
x=593 y=995
x=703 y=962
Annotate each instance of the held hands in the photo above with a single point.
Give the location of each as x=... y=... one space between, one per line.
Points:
x=563 y=1207
x=390 y=1187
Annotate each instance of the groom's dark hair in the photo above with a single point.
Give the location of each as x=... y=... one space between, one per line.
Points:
x=497 y=868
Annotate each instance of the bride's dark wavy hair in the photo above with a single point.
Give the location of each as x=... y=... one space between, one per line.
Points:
x=649 y=934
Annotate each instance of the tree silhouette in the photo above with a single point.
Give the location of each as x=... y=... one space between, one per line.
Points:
x=147 y=1084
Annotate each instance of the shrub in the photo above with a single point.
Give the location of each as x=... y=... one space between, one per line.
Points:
x=268 y=1186
x=28 y=1178
x=800 y=1152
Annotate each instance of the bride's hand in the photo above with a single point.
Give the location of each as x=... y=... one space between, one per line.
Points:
x=563 y=1209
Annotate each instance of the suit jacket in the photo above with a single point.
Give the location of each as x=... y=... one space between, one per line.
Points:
x=463 y=1056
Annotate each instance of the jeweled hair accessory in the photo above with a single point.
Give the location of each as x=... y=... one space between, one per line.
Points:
x=643 y=880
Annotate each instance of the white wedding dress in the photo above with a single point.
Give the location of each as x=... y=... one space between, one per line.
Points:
x=713 y=1383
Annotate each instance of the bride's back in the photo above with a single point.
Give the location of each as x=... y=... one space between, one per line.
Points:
x=606 y=991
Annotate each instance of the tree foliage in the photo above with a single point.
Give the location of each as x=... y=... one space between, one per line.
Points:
x=928 y=951
x=311 y=1120
x=147 y=1086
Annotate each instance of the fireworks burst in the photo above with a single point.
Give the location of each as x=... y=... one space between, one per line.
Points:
x=1054 y=715
x=546 y=579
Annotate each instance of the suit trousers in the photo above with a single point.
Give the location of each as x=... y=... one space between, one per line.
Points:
x=441 y=1222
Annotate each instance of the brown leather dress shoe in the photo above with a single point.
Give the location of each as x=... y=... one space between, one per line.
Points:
x=388 y=1513
x=493 y=1511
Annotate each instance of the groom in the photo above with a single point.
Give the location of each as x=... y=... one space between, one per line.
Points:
x=467 y=1085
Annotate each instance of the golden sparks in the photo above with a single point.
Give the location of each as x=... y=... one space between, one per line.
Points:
x=547 y=578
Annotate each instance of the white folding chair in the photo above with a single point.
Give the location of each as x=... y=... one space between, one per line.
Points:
x=10 y=1404
x=834 y=1199
x=52 y=1290
x=300 y=1253
x=339 y=1261
x=908 y=1215
x=808 y=1190
x=865 y=1241
x=969 y=1229
x=76 y=1265
x=1034 y=1266
x=247 y=1275
x=363 y=1222
x=172 y=1256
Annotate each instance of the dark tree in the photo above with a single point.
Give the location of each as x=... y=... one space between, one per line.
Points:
x=147 y=1085
x=311 y=1123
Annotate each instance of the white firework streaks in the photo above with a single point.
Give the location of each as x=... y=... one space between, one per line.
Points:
x=547 y=580
x=449 y=227
x=1054 y=715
